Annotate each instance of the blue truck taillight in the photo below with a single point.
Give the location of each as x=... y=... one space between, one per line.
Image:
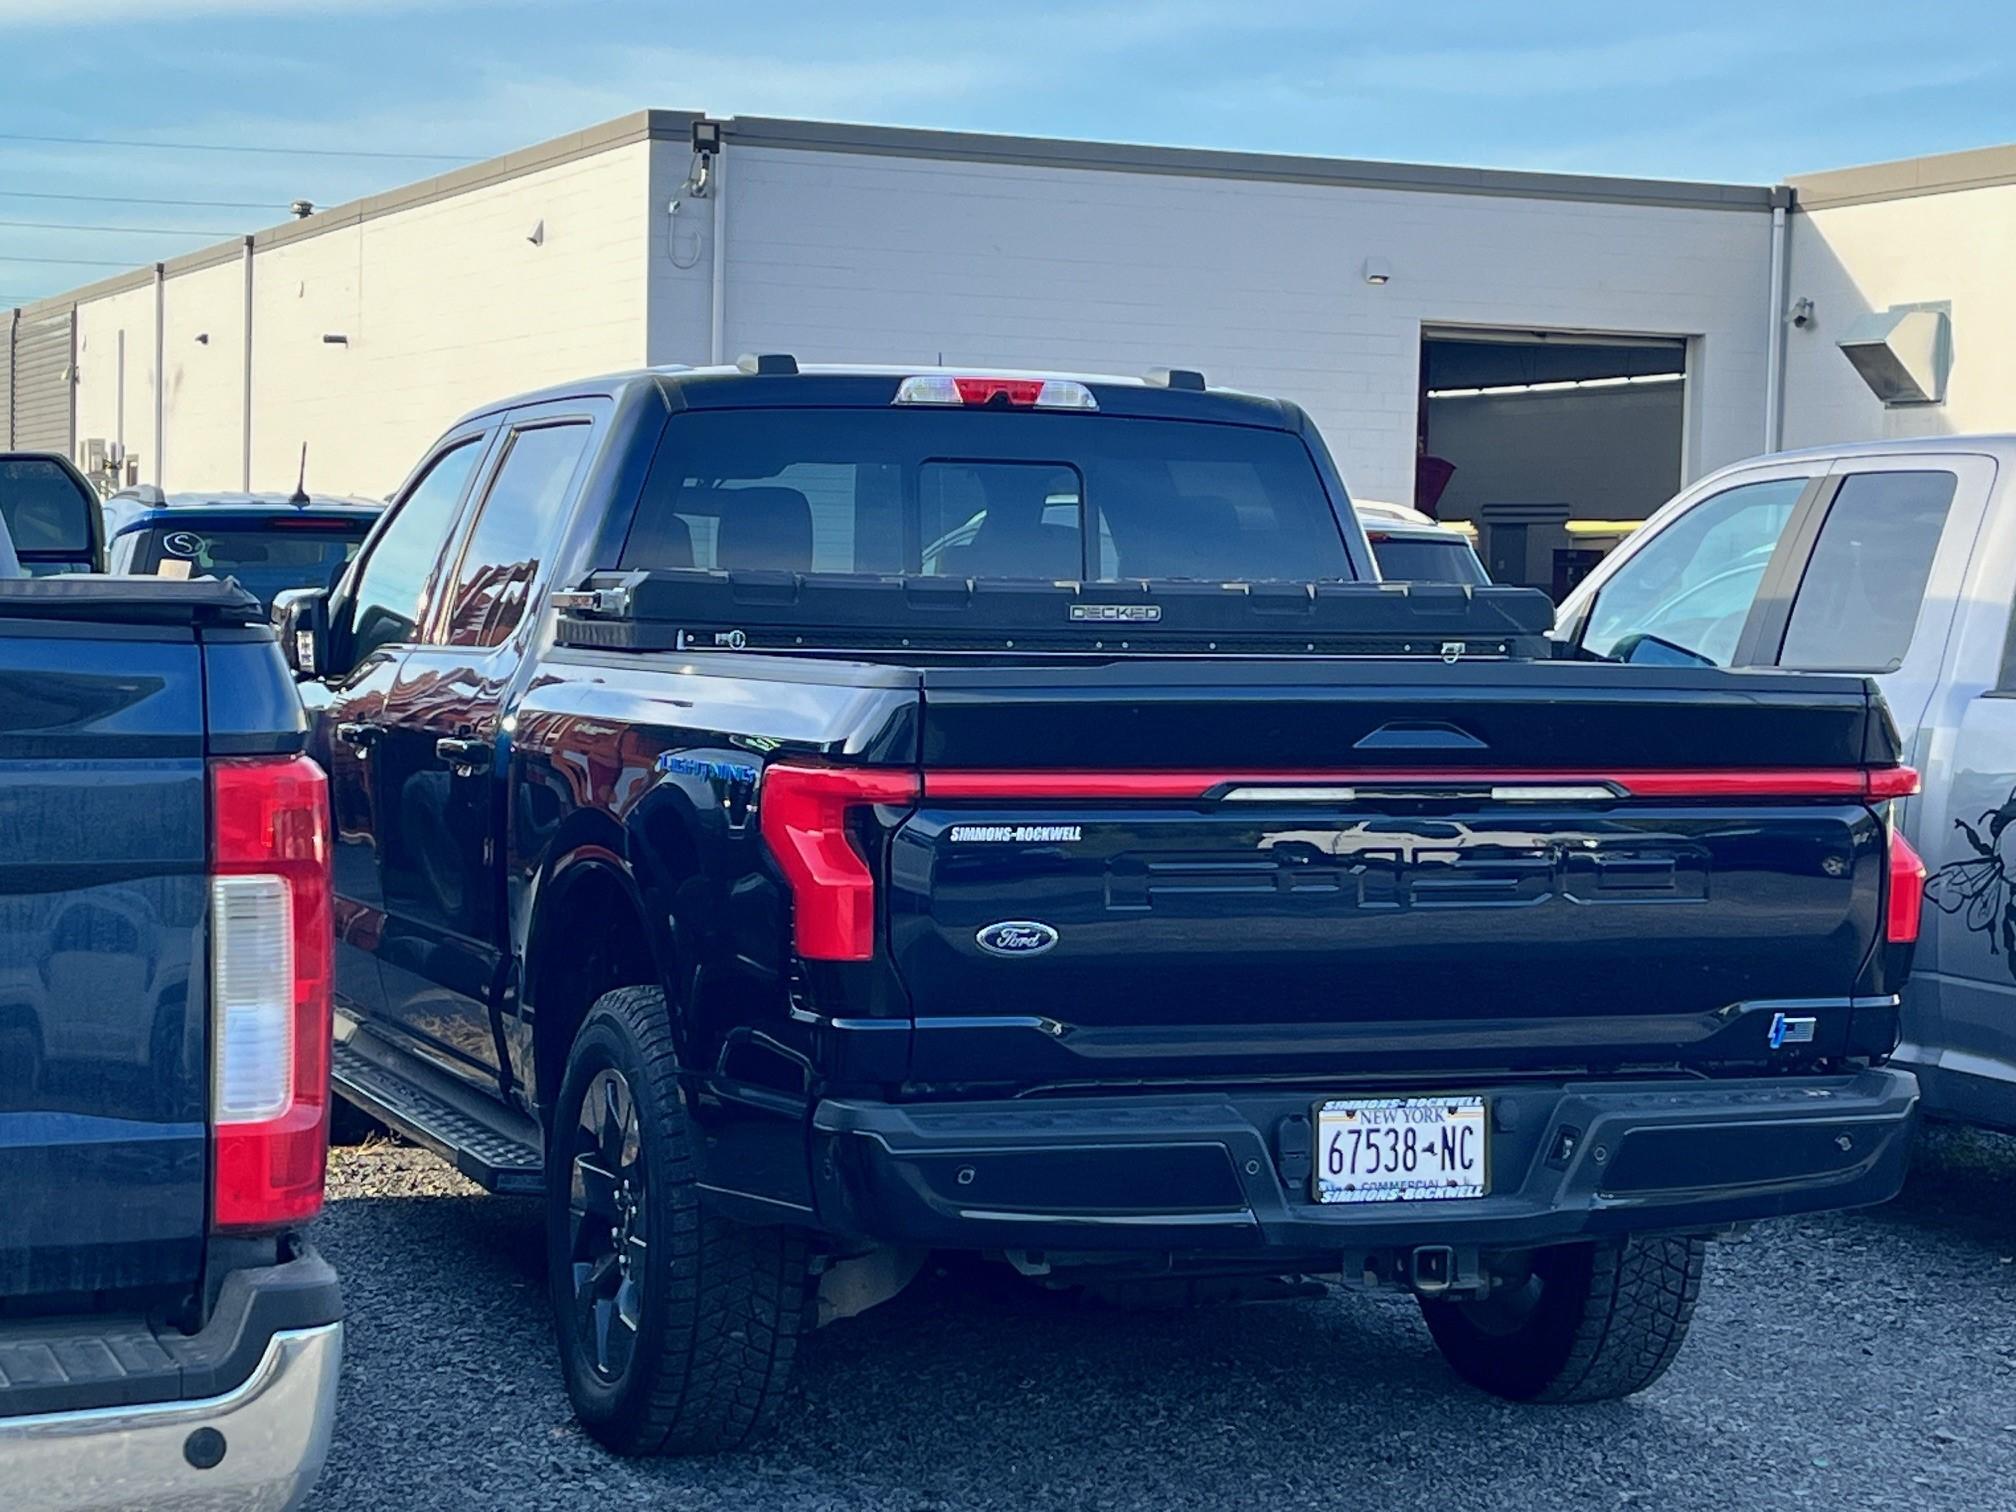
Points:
x=271 y=948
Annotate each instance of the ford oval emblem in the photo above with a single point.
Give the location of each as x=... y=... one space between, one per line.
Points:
x=1016 y=937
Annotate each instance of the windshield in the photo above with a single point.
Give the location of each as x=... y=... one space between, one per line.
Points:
x=1423 y=559
x=996 y=495
x=264 y=556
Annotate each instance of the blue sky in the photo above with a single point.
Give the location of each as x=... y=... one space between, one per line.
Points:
x=1744 y=92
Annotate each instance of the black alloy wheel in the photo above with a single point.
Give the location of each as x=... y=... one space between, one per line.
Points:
x=606 y=1209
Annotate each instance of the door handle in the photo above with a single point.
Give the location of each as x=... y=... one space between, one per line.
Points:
x=462 y=752
x=362 y=736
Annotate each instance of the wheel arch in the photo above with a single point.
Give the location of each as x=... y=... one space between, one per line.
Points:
x=590 y=932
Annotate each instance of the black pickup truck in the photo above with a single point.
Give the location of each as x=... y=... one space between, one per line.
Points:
x=167 y=1338
x=800 y=819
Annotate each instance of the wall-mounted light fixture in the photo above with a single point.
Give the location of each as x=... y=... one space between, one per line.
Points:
x=1378 y=271
x=202 y=338
x=537 y=235
x=335 y=338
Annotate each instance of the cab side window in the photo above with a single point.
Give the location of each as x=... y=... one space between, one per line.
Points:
x=520 y=517
x=1858 y=602
x=1692 y=586
x=386 y=605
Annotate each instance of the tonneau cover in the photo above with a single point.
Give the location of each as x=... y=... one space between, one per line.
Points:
x=130 y=600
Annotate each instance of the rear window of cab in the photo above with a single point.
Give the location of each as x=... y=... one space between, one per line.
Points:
x=985 y=493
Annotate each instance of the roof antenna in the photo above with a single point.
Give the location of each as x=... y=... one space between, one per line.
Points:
x=301 y=483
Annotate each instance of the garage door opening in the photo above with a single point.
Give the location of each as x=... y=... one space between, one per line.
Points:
x=1550 y=446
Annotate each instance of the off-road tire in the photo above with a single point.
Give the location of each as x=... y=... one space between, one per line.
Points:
x=719 y=1306
x=1596 y=1323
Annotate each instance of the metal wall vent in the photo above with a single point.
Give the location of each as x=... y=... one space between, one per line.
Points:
x=1903 y=353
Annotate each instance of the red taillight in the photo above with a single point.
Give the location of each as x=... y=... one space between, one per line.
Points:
x=1871 y=784
x=993 y=390
x=270 y=956
x=1907 y=892
x=1893 y=782
x=803 y=813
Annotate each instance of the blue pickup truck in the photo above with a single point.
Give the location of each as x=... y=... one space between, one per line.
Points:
x=799 y=819
x=167 y=1338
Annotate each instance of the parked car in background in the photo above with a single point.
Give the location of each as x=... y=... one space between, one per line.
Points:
x=1896 y=559
x=1411 y=547
x=783 y=906
x=167 y=1336
x=51 y=513
x=267 y=542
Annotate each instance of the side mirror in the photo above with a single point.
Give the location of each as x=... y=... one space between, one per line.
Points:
x=301 y=619
x=1644 y=649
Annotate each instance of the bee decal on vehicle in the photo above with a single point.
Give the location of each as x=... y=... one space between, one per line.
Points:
x=1982 y=887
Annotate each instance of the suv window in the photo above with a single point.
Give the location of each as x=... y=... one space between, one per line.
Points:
x=1692 y=584
x=514 y=530
x=385 y=606
x=973 y=493
x=264 y=555
x=1859 y=599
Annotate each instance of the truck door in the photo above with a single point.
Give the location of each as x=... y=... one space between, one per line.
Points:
x=1951 y=685
x=382 y=603
x=441 y=803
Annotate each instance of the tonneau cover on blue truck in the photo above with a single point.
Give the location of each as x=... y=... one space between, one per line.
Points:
x=129 y=600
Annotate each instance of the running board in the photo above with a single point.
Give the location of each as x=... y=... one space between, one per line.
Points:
x=493 y=1146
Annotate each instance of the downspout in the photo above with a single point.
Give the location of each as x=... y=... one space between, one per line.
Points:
x=718 y=303
x=1774 y=345
x=245 y=418
x=160 y=375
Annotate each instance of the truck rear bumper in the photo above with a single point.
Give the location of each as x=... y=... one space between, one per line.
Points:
x=165 y=1439
x=1225 y=1175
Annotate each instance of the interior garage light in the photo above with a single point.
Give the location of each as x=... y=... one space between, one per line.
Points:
x=1556 y=386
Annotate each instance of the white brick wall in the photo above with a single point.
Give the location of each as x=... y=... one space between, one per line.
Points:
x=446 y=306
x=679 y=276
x=205 y=379
x=99 y=325
x=1853 y=259
x=842 y=256
x=837 y=256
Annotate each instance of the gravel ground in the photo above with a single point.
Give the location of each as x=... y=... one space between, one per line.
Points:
x=1854 y=1361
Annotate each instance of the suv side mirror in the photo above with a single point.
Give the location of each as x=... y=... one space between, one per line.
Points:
x=301 y=617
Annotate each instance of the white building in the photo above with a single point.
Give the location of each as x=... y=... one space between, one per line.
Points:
x=1407 y=307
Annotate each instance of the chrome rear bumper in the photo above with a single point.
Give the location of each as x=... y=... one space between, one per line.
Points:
x=256 y=1448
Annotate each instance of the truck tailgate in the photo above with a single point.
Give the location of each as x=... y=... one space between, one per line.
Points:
x=1177 y=870
x=103 y=1077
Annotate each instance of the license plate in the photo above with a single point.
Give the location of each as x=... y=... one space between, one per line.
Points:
x=1401 y=1149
